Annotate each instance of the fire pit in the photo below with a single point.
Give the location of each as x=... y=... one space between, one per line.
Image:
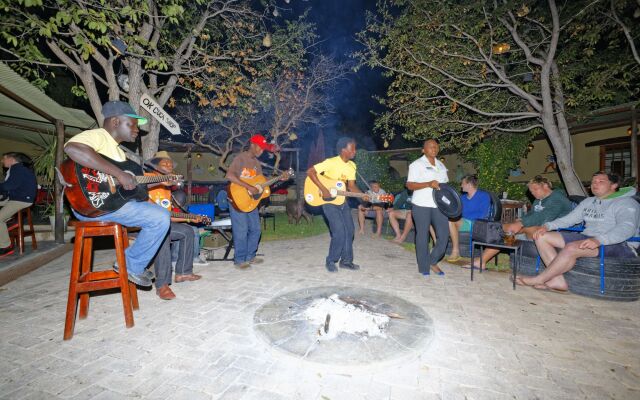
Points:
x=343 y=325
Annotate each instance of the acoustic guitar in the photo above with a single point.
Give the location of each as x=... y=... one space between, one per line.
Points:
x=195 y=218
x=243 y=200
x=93 y=193
x=337 y=188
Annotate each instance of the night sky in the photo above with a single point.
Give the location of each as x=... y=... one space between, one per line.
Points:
x=337 y=22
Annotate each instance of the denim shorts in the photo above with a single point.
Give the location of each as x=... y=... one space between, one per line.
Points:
x=618 y=250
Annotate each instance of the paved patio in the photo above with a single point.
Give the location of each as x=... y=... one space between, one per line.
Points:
x=490 y=342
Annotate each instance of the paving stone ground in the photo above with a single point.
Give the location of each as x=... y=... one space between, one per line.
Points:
x=490 y=342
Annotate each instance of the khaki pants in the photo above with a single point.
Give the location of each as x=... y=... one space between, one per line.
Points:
x=8 y=210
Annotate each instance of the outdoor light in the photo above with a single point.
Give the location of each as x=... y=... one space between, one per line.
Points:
x=442 y=159
x=266 y=41
x=275 y=12
x=198 y=155
x=501 y=48
x=530 y=147
x=293 y=136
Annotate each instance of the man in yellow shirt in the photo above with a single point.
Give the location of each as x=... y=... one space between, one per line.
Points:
x=87 y=148
x=339 y=217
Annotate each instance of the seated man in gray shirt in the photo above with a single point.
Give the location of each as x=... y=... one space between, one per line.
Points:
x=610 y=219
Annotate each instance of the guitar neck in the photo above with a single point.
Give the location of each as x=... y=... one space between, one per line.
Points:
x=272 y=180
x=184 y=215
x=155 y=178
x=351 y=194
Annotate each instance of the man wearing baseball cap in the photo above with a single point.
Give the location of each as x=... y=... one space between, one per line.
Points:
x=246 y=225
x=89 y=149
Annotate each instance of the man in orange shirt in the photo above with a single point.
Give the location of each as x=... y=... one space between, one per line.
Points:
x=178 y=231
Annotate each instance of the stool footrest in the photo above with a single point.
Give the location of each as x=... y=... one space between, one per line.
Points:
x=98 y=275
x=83 y=287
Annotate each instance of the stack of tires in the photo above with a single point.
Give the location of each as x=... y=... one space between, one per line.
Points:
x=621 y=278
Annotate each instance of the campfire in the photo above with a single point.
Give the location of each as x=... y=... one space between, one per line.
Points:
x=335 y=315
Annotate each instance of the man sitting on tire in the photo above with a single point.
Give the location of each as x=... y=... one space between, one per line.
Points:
x=610 y=219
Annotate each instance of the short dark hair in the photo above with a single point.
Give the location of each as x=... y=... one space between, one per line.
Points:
x=19 y=157
x=472 y=179
x=540 y=180
x=429 y=139
x=374 y=181
x=612 y=176
x=344 y=142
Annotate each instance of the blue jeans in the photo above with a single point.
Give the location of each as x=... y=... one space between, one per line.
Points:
x=246 y=234
x=341 y=227
x=154 y=223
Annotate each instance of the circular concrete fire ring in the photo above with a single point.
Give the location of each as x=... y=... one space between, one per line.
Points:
x=286 y=323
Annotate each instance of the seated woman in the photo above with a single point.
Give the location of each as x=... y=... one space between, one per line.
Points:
x=476 y=204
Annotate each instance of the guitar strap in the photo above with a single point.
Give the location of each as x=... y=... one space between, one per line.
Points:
x=137 y=159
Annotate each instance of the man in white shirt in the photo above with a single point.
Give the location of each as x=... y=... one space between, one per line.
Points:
x=425 y=174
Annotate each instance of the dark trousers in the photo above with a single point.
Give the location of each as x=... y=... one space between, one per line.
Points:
x=423 y=218
x=341 y=226
x=182 y=233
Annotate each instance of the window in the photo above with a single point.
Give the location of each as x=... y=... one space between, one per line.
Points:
x=616 y=159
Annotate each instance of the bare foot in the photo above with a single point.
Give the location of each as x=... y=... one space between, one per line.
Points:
x=361 y=232
x=398 y=240
x=437 y=270
x=378 y=234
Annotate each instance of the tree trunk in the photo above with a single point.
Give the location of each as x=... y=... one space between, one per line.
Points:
x=564 y=160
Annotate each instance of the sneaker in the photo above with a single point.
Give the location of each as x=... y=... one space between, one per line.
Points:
x=198 y=261
x=5 y=251
x=256 y=260
x=139 y=279
x=242 y=265
x=331 y=267
x=148 y=273
x=349 y=265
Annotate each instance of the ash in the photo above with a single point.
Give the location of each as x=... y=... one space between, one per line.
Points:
x=345 y=317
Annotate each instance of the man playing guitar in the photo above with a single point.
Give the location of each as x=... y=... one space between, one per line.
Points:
x=339 y=217
x=179 y=232
x=246 y=225
x=120 y=125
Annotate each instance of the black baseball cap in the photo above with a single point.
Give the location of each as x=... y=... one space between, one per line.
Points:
x=117 y=108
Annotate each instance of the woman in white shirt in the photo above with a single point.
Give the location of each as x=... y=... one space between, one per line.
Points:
x=426 y=174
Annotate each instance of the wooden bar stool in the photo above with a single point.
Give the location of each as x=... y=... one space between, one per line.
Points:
x=83 y=280
x=17 y=233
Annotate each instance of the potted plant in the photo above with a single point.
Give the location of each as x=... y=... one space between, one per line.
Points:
x=43 y=167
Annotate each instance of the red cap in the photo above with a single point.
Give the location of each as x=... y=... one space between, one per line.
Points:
x=262 y=143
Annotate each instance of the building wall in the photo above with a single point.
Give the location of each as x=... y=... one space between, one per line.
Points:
x=586 y=160
x=204 y=169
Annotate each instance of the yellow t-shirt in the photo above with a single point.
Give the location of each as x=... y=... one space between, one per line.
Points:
x=335 y=168
x=101 y=141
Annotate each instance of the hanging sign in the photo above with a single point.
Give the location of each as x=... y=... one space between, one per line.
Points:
x=153 y=108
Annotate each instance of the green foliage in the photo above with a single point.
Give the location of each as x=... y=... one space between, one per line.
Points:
x=286 y=231
x=448 y=81
x=493 y=159
x=375 y=167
